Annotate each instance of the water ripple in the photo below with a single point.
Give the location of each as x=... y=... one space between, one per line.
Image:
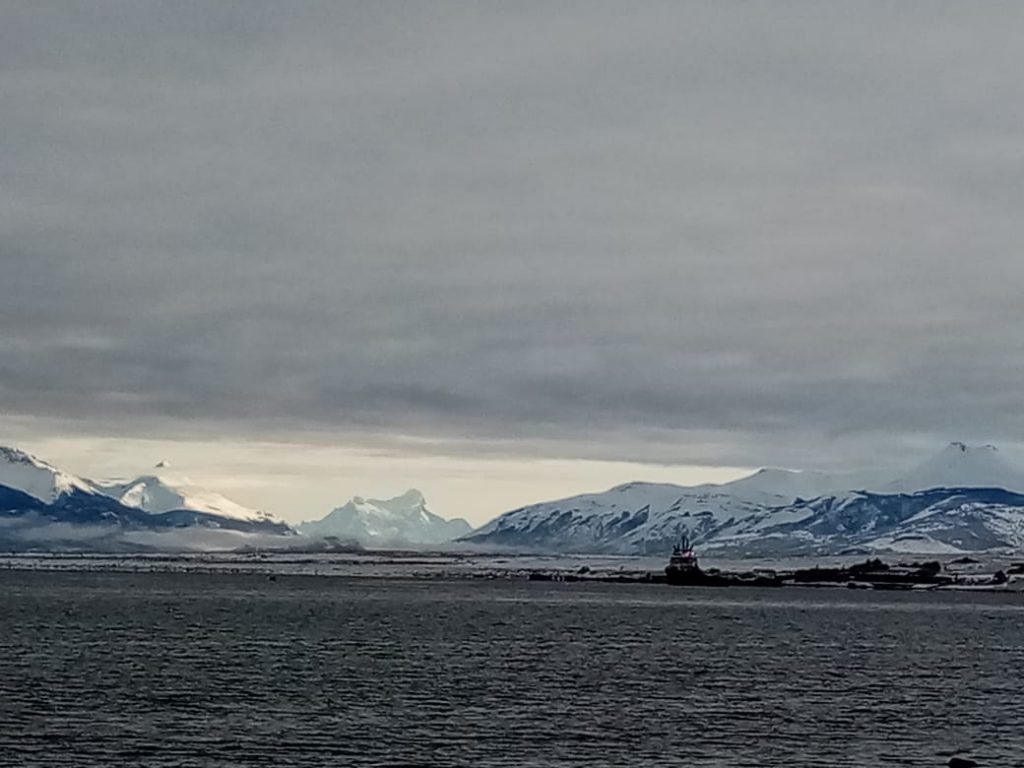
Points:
x=226 y=671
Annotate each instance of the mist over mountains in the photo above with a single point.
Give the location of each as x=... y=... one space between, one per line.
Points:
x=963 y=499
x=44 y=507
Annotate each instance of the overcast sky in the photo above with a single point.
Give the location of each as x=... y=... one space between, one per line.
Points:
x=431 y=243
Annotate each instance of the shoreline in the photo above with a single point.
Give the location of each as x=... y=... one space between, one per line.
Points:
x=957 y=576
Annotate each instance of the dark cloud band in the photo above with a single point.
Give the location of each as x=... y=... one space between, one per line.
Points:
x=779 y=227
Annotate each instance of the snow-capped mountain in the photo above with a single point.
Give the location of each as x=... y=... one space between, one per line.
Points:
x=404 y=519
x=167 y=492
x=36 y=498
x=963 y=499
x=26 y=473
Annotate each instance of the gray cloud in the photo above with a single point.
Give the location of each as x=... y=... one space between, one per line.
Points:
x=737 y=233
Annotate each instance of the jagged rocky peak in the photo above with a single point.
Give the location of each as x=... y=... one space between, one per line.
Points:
x=402 y=519
x=411 y=498
x=9 y=455
x=14 y=456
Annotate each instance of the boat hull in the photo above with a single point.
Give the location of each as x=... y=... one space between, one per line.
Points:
x=704 y=579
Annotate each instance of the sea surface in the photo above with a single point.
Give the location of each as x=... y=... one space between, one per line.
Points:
x=218 y=670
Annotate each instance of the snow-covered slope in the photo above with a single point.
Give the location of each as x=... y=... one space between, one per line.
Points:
x=39 y=502
x=404 y=519
x=960 y=500
x=635 y=517
x=166 y=492
x=26 y=473
x=789 y=484
x=959 y=524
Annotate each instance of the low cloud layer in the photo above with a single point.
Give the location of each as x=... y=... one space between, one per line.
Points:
x=736 y=234
x=31 y=533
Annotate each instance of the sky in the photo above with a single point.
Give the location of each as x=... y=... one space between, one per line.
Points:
x=504 y=252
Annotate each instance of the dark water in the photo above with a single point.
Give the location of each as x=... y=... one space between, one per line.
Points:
x=216 y=671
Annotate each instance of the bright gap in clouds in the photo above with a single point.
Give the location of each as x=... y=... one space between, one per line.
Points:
x=301 y=481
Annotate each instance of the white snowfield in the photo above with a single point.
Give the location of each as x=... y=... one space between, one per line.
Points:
x=150 y=493
x=405 y=519
x=785 y=511
x=26 y=473
x=402 y=519
x=156 y=494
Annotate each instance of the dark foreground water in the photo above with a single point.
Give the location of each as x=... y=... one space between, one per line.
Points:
x=192 y=670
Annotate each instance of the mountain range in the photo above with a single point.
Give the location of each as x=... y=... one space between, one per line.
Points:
x=43 y=507
x=963 y=499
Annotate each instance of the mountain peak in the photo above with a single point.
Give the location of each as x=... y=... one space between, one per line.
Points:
x=24 y=472
x=788 y=483
x=156 y=494
x=409 y=499
x=404 y=519
x=17 y=456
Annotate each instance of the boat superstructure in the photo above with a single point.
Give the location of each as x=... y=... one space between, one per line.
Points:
x=682 y=565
